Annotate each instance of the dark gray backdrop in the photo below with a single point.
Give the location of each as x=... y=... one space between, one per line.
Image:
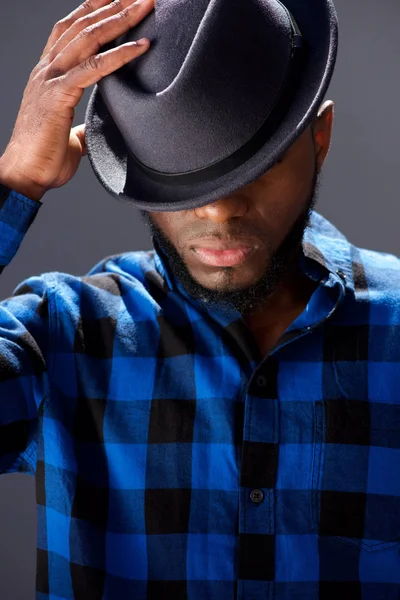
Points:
x=80 y=224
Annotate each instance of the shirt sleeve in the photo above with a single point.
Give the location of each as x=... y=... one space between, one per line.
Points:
x=17 y=213
x=24 y=347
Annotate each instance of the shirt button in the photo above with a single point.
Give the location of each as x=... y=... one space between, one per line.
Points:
x=261 y=381
x=256 y=496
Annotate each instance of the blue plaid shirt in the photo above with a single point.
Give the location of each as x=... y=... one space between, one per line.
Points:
x=173 y=461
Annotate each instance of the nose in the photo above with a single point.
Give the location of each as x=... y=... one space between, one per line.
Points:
x=223 y=209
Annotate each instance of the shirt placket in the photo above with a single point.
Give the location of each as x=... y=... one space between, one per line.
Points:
x=260 y=466
x=257 y=484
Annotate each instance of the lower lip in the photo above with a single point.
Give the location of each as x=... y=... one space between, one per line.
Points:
x=223 y=258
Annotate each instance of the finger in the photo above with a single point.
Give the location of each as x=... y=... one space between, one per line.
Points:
x=64 y=24
x=79 y=131
x=90 y=40
x=100 y=65
x=86 y=21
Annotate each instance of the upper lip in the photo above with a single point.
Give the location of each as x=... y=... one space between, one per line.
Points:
x=215 y=244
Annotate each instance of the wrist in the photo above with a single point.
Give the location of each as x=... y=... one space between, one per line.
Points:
x=19 y=182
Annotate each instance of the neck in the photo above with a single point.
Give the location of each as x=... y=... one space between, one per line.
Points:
x=288 y=301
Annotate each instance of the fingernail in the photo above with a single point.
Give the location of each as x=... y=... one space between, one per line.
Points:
x=142 y=42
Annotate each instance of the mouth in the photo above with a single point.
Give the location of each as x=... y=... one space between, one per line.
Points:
x=217 y=254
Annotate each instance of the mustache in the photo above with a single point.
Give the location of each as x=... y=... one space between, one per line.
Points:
x=223 y=233
x=201 y=230
x=223 y=237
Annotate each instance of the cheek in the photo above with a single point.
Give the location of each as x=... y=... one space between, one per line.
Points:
x=166 y=222
x=284 y=201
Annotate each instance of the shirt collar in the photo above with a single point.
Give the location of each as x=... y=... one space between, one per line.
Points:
x=326 y=249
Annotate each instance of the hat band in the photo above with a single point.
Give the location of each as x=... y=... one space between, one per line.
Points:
x=259 y=139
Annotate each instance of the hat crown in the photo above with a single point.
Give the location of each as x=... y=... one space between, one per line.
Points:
x=172 y=28
x=209 y=81
x=203 y=88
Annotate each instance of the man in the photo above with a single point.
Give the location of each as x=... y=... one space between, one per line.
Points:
x=217 y=418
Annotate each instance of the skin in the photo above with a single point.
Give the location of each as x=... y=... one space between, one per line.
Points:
x=274 y=209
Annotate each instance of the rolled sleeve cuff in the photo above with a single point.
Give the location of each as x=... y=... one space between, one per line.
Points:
x=16 y=216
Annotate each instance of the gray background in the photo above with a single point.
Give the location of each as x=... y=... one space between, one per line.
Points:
x=80 y=224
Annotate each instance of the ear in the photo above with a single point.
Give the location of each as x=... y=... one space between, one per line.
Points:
x=322 y=132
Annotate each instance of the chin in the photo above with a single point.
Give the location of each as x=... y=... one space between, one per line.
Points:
x=227 y=279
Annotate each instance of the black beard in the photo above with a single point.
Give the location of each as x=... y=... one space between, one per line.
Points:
x=252 y=298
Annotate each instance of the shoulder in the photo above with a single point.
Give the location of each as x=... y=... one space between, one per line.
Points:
x=376 y=274
x=105 y=286
x=373 y=277
x=377 y=285
x=380 y=271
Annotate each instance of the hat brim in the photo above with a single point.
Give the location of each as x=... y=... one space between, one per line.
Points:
x=112 y=164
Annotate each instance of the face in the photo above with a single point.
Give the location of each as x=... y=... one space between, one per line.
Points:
x=236 y=250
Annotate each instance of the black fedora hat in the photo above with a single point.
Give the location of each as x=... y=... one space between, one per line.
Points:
x=225 y=88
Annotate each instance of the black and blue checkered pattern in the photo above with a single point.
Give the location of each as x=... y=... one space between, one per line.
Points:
x=173 y=461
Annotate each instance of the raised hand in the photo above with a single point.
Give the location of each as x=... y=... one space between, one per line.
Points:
x=45 y=151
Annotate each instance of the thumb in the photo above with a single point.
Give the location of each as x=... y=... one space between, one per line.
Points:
x=79 y=131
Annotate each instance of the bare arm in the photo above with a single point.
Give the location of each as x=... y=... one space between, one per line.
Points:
x=44 y=152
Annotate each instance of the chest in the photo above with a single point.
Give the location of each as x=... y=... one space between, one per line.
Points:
x=195 y=452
